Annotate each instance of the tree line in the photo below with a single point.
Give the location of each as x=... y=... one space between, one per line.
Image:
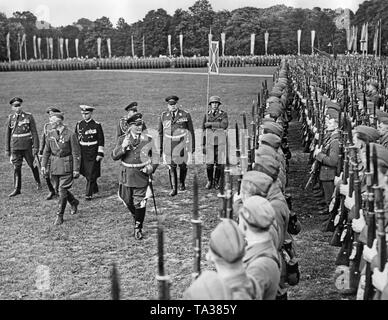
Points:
x=194 y=24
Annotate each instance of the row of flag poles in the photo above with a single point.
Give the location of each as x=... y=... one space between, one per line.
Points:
x=351 y=41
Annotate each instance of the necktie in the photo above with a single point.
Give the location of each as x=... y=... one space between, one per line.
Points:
x=173 y=116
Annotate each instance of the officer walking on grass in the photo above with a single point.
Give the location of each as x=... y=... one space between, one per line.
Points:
x=21 y=141
x=63 y=151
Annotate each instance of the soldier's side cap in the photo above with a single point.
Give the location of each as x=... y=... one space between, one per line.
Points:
x=320 y=90
x=381 y=113
x=382 y=154
x=271 y=139
x=227 y=241
x=131 y=106
x=273 y=99
x=332 y=113
x=261 y=180
x=267 y=165
x=85 y=108
x=58 y=115
x=258 y=212
x=172 y=99
x=265 y=120
x=16 y=100
x=52 y=109
x=273 y=127
x=136 y=118
x=215 y=99
x=383 y=120
x=208 y=286
x=369 y=133
x=332 y=105
x=372 y=82
x=265 y=150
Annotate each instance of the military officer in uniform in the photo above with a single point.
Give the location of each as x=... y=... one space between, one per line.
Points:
x=91 y=139
x=46 y=128
x=214 y=125
x=122 y=126
x=176 y=134
x=135 y=150
x=21 y=141
x=63 y=151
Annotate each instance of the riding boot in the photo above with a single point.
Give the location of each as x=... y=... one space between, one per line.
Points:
x=17 y=182
x=52 y=193
x=174 y=181
x=139 y=218
x=73 y=203
x=218 y=175
x=61 y=209
x=209 y=171
x=95 y=186
x=35 y=172
x=182 y=177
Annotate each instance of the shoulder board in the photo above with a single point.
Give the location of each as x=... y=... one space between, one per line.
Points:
x=96 y=122
x=29 y=113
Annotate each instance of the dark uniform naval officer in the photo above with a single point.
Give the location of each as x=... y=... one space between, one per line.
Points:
x=46 y=129
x=134 y=149
x=214 y=125
x=63 y=150
x=176 y=135
x=122 y=126
x=21 y=141
x=91 y=139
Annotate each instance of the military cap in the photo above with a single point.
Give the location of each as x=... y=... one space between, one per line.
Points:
x=332 y=113
x=313 y=83
x=381 y=113
x=261 y=180
x=332 y=105
x=172 y=99
x=215 y=99
x=137 y=118
x=265 y=150
x=381 y=152
x=58 y=115
x=132 y=105
x=273 y=99
x=208 y=286
x=258 y=212
x=372 y=82
x=16 y=100
x=269 y=120
x=369 y=133
x=52 y=109
x=273 y=127
x=320 y=90
x=86 y=109
x=275 y=93
x=267 y=165
x=271 y=139
x=383 y=120
x=227 y=241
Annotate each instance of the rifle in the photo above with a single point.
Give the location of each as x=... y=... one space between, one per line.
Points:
x=228 y=198
x=238 y=157
x=115 y=288
x=371 y=179
x=247 y=145
x=196 y=230
x=161 y=277
x=253 y=124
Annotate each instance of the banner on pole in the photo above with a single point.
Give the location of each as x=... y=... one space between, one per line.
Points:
x=99 y=47
x=181 y=43
x=67 y=47
x=109 y=48
x=299 y=35
x=34 y=46
x=25 y=45
x=143 y=47
x=252 y=44
x=312 y=41
x=39 y=48
x=61 y=47
x=266 y=37
x=223 y=37
x=214 y=58
x=76 y=47
x=51 y=48
x=8 y=47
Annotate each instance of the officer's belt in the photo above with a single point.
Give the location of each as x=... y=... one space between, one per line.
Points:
x=20 y=135
x=82 y=143
x=135 y=165
x=175 y=138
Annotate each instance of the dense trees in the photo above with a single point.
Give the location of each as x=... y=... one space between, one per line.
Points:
x=280 y=21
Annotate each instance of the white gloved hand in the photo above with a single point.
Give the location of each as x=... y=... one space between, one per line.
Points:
x=344 y=189
x=380 y=279
x=369 y=253
x=358 y=224
x=349 y=202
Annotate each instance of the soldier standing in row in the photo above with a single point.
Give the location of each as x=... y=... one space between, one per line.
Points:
x=63 y=151
x=122 y=126
x=176 y=135
x=46 y=129
x=214 y=125
x=21 y=141
x=134 y=149
x=91 y=138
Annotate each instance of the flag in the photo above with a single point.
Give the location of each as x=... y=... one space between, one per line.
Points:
x=39 y=48
x=181 y=43
x=312 y=41
x=109 y=48
x=48 y=47
x=210 y=37
x=132 y=46
x=376 y=38
x=99 y=47
x=25 y=45
x=214 y=59
x=348 y=39
x=169 y=44
x=8 y=48
x=51 y=48
x=223 y=37
x=61 y=48
x=143 y=47
x=252 y=44
x=67 y=47
x=266 y=36
x=355 y=38
x=76 y=47
x=299 y=34
x=366 y=38
x=362 y=38
x=19 y=47
x=34 y=45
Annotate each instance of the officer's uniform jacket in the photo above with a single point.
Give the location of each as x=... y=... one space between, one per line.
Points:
x=134 y=158
x=64 y=152
x=91 y=139
x=21 y=133
x=46 y=129
x=173 y=132
x=219 y=123
x=329 y=157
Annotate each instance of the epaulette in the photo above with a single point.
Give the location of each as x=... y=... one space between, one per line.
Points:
x=96 y=122
x=28 y=113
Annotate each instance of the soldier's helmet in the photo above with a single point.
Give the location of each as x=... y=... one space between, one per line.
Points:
x=215 y=99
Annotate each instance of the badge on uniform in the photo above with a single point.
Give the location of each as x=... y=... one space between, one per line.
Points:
x=166 y=124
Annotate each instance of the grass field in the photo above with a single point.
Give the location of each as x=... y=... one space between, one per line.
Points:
x=79 y=253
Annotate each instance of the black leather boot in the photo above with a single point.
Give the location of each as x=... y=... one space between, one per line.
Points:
x=209 y=172
x=35 y=172
x=139 y=218
x=174 y=181
x=61 y=209
x=182 y=177
x=73 y=203
x=17 y=182
x=217 y=176
x=52 y=193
